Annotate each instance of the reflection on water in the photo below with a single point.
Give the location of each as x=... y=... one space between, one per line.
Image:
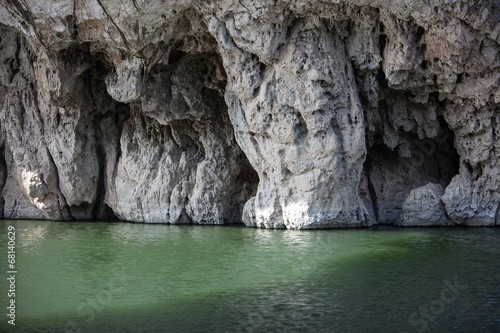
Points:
x=121 y=277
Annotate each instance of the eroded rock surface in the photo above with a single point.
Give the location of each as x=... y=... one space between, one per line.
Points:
x=179 y=160
x=296 y=114
x=306 y=140
x=424 y=207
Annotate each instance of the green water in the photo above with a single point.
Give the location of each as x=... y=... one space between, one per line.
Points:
x=122 y=277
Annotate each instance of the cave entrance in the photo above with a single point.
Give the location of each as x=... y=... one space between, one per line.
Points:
x=178 y=133
x=390 y=174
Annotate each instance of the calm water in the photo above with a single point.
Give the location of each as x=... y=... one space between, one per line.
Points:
x=121 y=277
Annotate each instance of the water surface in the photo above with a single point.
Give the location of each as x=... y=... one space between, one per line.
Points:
x=123 y=277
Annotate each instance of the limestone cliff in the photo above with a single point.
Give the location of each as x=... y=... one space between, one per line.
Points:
x=297 y=114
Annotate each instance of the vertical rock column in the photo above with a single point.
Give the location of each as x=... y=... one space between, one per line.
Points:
x=47 y=114
x=67 y=107
x=31 y=175
x=300 y=122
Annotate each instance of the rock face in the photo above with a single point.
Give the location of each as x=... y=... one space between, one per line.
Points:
x=306 y=140
x=297 y=114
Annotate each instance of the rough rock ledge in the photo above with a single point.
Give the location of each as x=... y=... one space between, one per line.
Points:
x=280 y=114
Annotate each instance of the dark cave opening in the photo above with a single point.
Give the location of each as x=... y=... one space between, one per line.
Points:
x=104 y=117
x=175 y=56
x=182 y=112
x=122 y=111
x=391 y=175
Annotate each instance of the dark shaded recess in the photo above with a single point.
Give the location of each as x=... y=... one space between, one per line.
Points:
x=208 y=117
x=122 y=112
x=104 y=107
x=100 y=209
x=382 y=81
x=382 y=39
x=80 y=212
x=175 y=56
x=434 y=96
x=246 y=184
x=104 y=103
x=419 y=34
x=433 y=160
x=469 y=167
x=367 y=169
x=300 y=126
x=212 y=98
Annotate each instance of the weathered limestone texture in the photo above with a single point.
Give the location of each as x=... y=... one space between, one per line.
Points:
x=424 y=207
x=306 y=140
x=179 y=161
x=284 y=114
